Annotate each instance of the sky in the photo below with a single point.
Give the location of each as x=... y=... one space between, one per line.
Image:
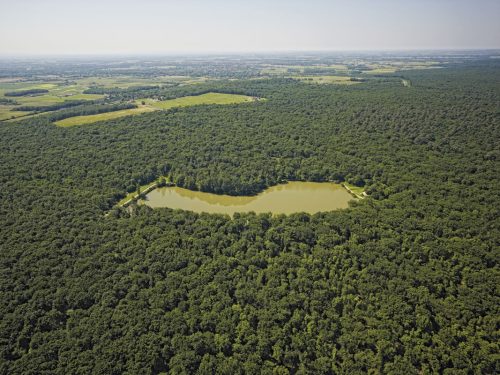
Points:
x=75 y=27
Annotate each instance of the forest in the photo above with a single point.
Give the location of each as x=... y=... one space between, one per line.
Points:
x=402 y=282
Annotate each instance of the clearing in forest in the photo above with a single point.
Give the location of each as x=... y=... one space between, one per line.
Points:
x=58 y=92
x=337 y=80
x=209 y=98
x=6 y=113
x=89 y=119
x=155 y=105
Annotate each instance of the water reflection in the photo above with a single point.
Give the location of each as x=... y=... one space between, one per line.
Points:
x=288 y=198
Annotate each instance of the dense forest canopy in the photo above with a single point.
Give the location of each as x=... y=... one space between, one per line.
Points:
x=402 y=282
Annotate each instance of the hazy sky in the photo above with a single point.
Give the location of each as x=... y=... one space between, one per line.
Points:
x=170 y=26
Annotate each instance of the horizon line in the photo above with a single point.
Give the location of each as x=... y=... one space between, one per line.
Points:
x=254 y=52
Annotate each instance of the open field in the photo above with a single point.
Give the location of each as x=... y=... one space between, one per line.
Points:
x=39 y=100
x=381 y=70
x=83 y=120
x=210 y=98
x=342 y=69
x=131 y=81
x=338 y=80
x=394 y=66
x=357 y=65
x=337 y=67
x=358 y=192
x=153 y=105
x=56 y=89
x=62 y=88
x=6 y=113
x=24 y=85
x=193 y=81
x=24 y=116
x=73 y=92
x=59 y=91
x=84 y=97
x=111 y=82
x=72 y=89
x=300 y=69
x=274 y=70
x=385 y=67
x=411 y=65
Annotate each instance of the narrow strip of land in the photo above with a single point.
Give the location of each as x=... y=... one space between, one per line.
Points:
x=89 y=119
x=356 y=191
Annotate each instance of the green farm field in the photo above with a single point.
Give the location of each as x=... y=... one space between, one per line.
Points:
x=209 y=98
x=90 y=119
x=338 y=80
x=58 y=92
x=131 y=81
x=6 y=113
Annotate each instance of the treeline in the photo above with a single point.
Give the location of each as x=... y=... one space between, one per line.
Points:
x=52 y=107
x=8 y=101
x=26 y=92
x=91 y=109
x=358 y=79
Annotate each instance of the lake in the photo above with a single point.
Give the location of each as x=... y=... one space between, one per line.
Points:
x=310 y=197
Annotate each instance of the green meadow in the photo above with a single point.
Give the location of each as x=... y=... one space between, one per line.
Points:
x=338 y=80
x=6 y=113
x=154 y=105
x=131 y=81
x=59 y=92
x=381 y=70
x=209 y=98
x=83 y=120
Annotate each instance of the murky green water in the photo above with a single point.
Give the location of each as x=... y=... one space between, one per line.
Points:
x=288 y=198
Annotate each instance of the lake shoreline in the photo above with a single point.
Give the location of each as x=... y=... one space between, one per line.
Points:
x=285 y=198
x=149 y=188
